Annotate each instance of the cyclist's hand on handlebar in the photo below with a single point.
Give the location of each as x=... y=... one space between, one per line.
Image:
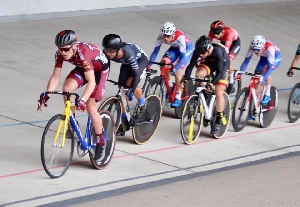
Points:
x=42 y=103
x=149 y=67
x=290 y=73
x=81 y=105
x=238 y=77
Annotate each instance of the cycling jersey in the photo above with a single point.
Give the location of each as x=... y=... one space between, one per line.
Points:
x=134 y=62
x=271 y=56
x=218 y=61
x=181 y=47
x=298 y=50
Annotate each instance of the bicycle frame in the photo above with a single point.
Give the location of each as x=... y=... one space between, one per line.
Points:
x=208 y=108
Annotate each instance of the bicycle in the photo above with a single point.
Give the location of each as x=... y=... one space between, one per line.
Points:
x=61 y=147
x=143 y=127
x=159 y=85
x=199 y=109
x=294 y=101
x=249 y=103
x=238 y=88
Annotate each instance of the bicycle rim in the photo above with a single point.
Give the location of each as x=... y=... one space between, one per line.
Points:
x=241 y=110
x=233 y=97
x=110 y=104
x=55 y=157
x=225 y=121
x=294 y=104
x=191 y=120
x=145 y=127
x=109 y=128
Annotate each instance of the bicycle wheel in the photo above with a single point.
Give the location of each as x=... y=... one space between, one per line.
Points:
x=157 y=87
x=109 y=128
x=191 y=120
x=226 y=119
x=241 y=110
x=56 y=155
x=233 y=97
x=266 y=116
x=110 y=104
x=190 y=88
x=294 y=104
x=145 y=127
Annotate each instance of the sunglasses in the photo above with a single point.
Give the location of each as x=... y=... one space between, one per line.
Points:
x=256 y=50
x=109 y=50
x=65 y=49
x=167 y=36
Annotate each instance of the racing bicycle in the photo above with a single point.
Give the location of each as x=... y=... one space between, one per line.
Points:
x=294 y=102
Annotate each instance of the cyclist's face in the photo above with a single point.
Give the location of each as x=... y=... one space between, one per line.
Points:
x=110 y=53
x=66 y=51
x=219 y=36
x=168 y=38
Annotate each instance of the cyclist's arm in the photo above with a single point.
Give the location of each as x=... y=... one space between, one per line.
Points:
x=136 y=71
x=191 y=65
x=90 y=86
x=247 y=60
x=53 y=82
x=296 y=58
x=155 y=52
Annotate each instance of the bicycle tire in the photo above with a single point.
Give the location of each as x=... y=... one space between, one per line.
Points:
x=294 y=100
x=267 y=117
x=240 y=109
x=143 y=132
x=49 y=161
x=225 y=121
x=110 y=104
x=108 y=124
x=190 y=87
x=157 y=87
x=191 y=120
x=238 y=88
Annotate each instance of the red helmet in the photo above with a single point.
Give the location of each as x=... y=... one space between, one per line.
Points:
x=217 y=27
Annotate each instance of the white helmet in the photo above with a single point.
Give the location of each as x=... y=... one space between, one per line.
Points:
x=168 y=28
x=258 y=42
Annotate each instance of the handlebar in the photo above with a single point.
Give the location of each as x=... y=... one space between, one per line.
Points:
x=68 y=94
x=206 y=80
x=237 y=72
x=295 y=68
x=163 y=64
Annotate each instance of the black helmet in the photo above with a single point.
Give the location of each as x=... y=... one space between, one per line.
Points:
x=202 y=44
x=112 y=41
x=217 y=27
x=65 y=37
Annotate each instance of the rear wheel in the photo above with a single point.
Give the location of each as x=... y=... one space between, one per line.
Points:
x=108 y=125
x=191 y=120
x=112 y=105
x=226 y=119
x=233 y=97
x=56 y=151
x=145 y=126
x=294 y=104
x=241 y=110
x=268 y=111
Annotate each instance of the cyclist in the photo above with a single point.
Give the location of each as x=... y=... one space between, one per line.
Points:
x=92 y=70
x=231 y=40
x=133 y=68
x=294 y=62
x=270 y=59
x=214 y=58
x=180 y=50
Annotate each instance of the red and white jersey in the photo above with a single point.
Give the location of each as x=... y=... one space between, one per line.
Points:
x=229 y=36
x=269 y=51
x=180 y=41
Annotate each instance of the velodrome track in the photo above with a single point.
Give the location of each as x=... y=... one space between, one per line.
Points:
x=251 y=168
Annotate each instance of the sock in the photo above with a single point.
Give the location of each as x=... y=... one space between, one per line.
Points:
x=178 y=95
x=141 y=101
x=123 y=117
x=231 y=80
x=100 y=140
x=268 y=89
x=218 y=117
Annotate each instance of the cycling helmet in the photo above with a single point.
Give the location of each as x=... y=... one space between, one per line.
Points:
x=217 y=27
x=65 y=37
x=168 y=28
x=112 y=41
x=258 y=42
x=202 y=44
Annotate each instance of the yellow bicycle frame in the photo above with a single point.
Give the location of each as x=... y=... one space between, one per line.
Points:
x=67 y=114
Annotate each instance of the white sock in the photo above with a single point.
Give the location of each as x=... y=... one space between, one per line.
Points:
x=268 y=89
x=231 y=80
x=178 y=95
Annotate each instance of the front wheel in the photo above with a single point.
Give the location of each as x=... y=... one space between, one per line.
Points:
x=186 y=92
x=225 y=120
x=108 y=125
x=233 y=97
x=241 y=110
x=56 y=150
x=145 y=126
x=191 y=120
x=157 y=87
x=294 y=104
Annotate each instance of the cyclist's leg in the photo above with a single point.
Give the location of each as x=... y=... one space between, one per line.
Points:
x=170 y=57
x=233 y=51
x=124 y=75
x=92 y=105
